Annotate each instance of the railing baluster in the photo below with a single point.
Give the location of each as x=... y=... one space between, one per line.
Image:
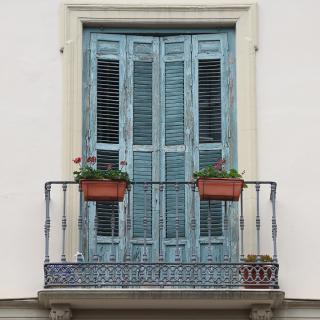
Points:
x=258 y=221
x=209 y=234
x=241 y=227
x=161 y=222
x=113 y=254
x=226 y=227
x=64 y=223
x=145 y=256
x=80 y=221
x=274 y=221
x=177 y=255
x=95 y=257
x=128 y=227
x=47 y=222
x=193 y=225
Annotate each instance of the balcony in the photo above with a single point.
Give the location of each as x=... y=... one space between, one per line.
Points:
x=168 y=246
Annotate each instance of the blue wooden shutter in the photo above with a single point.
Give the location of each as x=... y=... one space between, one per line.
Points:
x=104 y=137
x=167 y=115
x=175 y=80
x=210 y=88
x=142 y=141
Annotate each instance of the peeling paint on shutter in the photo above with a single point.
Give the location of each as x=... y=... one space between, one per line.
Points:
x=106 y=102
x=142 y=103
x=142 y=172
x=174 y=103
x=175 y=78
x=175 y=171
x=161 y=104
x=211 y=107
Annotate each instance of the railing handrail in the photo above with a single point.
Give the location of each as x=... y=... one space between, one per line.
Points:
x=51 y=182
x=273 y=184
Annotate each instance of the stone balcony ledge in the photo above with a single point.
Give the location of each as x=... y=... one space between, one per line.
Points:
x=215 y=299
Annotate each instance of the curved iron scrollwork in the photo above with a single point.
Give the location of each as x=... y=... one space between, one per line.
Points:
x=193 y=275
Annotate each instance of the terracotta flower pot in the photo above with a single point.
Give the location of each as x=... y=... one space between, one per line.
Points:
x=103 y=190
x=254 y=281
x=225 y=189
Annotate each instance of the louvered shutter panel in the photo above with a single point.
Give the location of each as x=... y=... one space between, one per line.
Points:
x=104 y=137
x=175 y=69
x=143 y=147
x=210 y=100
x=142 y=102
x=174 y=102
x=142 y=198
x=175 y=199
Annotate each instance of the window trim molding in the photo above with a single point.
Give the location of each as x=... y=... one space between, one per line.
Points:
x=77 y=14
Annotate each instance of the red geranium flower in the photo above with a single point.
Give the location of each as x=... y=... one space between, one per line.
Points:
x=92 y=159
x=123 y=163
x=218 y=165
x=77 y=160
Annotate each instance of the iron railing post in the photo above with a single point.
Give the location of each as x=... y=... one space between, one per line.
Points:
x=193 y=225
x=47 y=222
x=128 y=227
x=161 y=222
x=113 y=249
x=241 y=227
x=274 y=221
x=95 y=257
x=209 y=234
x=258 y=221
x=64 y=223
x=145 y=224
x=80 y=225
x=177 y=254
x=226 y=227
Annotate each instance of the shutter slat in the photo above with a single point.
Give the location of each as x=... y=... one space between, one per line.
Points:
x=209 y=157
x=209 y=85
x=104 y=209
x=107 y=101
x=142 y=172
x=175 y=171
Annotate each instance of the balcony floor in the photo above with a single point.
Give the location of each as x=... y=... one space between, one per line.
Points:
x=152 y=298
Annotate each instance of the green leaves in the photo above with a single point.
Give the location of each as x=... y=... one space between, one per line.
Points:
x=212 y=172
x=253 y=258
x=88 y=172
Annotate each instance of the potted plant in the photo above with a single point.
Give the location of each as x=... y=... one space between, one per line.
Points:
x=215 y=183
x=256 y=275
x=101 y=185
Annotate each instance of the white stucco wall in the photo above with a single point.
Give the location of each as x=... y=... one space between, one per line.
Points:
x=31 y=136
x=288 y=77
x=288 y=73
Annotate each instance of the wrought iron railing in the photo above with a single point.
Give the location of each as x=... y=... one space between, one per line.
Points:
x=195 y=270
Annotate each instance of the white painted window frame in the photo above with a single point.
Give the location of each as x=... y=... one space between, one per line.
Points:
x=205 y=14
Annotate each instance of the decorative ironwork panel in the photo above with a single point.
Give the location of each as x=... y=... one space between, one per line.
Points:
x=192 y=275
